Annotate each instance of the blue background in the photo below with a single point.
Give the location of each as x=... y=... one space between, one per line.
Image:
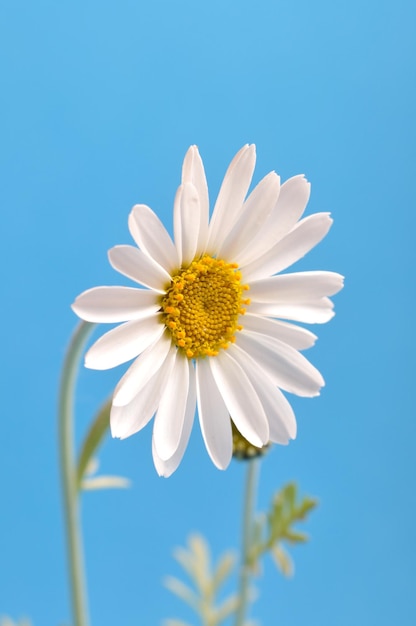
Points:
x=100 y=101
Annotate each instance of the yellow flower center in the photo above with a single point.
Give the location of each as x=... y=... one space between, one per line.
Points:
x=202 y=306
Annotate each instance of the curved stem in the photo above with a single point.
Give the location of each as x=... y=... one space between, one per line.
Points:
x=248 y=514
x=69 y=473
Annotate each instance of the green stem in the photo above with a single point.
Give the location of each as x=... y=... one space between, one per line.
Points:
x=69 y=474
x=248 y=515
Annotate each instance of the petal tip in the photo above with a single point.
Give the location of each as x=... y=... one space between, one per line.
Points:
x=221 y=465
x=134 y=210
x=161 y=470
x=88 y=364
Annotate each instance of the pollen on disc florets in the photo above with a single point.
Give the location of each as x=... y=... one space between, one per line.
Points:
x=202 y=306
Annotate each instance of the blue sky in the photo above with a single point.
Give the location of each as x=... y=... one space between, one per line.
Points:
x=99 y=103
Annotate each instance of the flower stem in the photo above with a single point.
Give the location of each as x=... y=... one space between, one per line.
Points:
x=248 y=515
x=69 y=474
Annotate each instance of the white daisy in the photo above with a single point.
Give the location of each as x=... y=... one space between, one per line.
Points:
x=203 y=330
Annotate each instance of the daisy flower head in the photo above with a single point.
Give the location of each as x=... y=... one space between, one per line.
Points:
x=208 y=326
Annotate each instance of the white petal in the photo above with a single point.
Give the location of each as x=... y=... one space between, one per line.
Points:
x=166 y=468
x=129 y=419
x=287 y=367
x=170 y=415
x=135 y=264
x=152 y=237
x=292 y=201
x=279 y=413
x=313 y=312
x=295 y=287
x=115 y=304
x=282 y=419
x=296 y=336
x=255 y=212
x=214 y=417
x=304 y=236
x=123 y=343
x=231 y=196
x=193 y=172
x=177 y=223
x=189 y=220
x=240 y=398
x=142 y=370
x=293 y=198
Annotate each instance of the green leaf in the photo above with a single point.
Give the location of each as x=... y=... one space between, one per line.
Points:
x=306 y=506
x=294 y=536
x=289 y=494
x=227 y=608
x=92 y=467
x=286 y=510
x=196 y=561
x=179 y=588
x=95 y=435
x=283 y=560
x=105 y=482
x=224 y=569
x=202 y=562
x=186 y=559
